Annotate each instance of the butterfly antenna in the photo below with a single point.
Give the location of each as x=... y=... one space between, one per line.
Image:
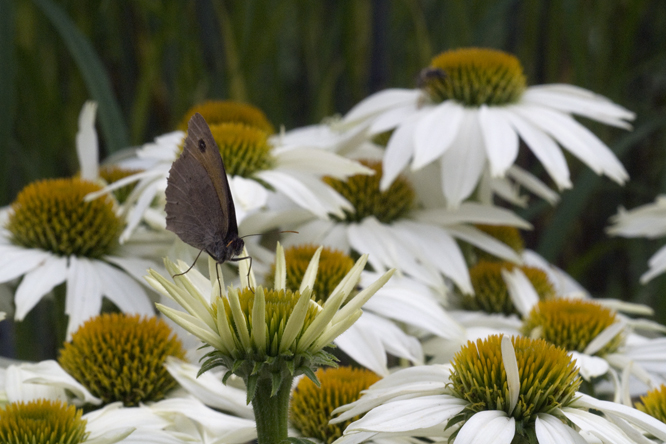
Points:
x=191 y=266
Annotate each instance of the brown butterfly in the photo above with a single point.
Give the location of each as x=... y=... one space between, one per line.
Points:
x=199 y=206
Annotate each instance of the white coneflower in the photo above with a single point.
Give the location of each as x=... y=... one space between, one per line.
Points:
x=469 y=114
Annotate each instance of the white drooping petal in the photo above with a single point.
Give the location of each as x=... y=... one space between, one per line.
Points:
x=379 y=102
x=399 y=150
x=295 y=190
x=487 y=427
x=84 y=292
x=37 y=282
x=208 y=388
x=604 y=338
x=123 y=291
x=590 y=366
x=16 y=261
x=635 y=417
x=485 y=242
x=248 y=196
x=437 y=248
x=436 y=131
x=319 y=162
x=393 y=118
x=44 y=380
x=576 y=100
x=522 y=292
x=406 y=300
x=657 y=265
x=364 y=346
x=463 y=163
x=647 y=220
x=532 y=183
x=544 y=148
x=410 y=414
x=134 y=266
x=86 y=142
x=224 y=428
x=474 y=213
x=578 y=140
x=146 y=194
x=499 y=138
x=551 y=430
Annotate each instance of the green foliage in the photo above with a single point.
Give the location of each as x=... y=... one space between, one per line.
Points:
x=147 y=62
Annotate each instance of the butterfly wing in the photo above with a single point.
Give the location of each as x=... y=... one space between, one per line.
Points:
x=199 y=207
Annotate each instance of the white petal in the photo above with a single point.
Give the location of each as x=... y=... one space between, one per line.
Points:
x=551 y=430
x=136 y=212
x=378 y=102
x=512 y=372
x=471 y=212
x=604 y=338
x=209 y=388
x=484 y=241
x=544 y=148
x=487 y=427
x=419 y=309
x=37 y=282
x=657 y=265
x=135 y=267
x=647 y=220
x=86 y=142
x=522 y=293
x=532 y=183
x=295 y=190
x=399 y=150
x=124 y=291
x=16 y=261
x=410 y=414
x=84 y=292
x=577 y=139
x=436 y=131
x=319 y=162
x=499 y=138
x=435 y=247
x=364 y=347
x=576 y=100
x=48 y=374
x=589 y=366
x=633 y=416
x=463 y=163
x=393 y=118
x=596 y=425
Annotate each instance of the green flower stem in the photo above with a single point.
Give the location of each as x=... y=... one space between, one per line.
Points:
x=272 y=412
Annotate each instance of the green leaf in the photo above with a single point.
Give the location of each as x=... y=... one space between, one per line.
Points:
x=94 y=75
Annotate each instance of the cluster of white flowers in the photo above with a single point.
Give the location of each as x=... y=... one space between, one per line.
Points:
x=476 y=338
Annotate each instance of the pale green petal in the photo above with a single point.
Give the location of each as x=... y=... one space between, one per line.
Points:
x=239 y=318
x=311 y=272
x=224 y=329
x=280 y=269
x=259 y=320
x=335 y=330
x=348 y=283
x=296 y=319
x=185 y=300
x=192 y=324
x=362 y=297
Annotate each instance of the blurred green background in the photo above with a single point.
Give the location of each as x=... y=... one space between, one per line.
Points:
x=147 y=61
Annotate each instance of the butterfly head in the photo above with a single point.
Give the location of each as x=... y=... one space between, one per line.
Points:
x=225 y=250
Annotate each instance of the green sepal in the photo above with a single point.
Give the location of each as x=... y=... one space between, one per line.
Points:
x=276 y=381
x=251 y=387
x=256 y=368
x=209 y=365
x=226 y=377
x=307 y=371
x=291 y=367
x=238 y=363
